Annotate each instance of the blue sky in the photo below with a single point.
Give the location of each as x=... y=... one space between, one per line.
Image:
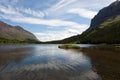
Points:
x=51 y=19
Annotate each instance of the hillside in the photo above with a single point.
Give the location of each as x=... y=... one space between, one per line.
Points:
x=15 y=34
x=104 y=28
x=107 y=32
x=104 y=14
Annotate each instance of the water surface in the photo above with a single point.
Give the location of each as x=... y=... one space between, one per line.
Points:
x=48 y=62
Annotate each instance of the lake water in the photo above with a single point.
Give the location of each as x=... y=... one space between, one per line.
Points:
x=48 y=62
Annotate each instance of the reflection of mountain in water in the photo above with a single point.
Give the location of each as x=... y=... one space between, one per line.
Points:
x=47 y=62
x=106 y=62
x=14 y=53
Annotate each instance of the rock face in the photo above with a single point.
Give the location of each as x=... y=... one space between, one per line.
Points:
x=105 y=26
x=15 y=33
x=105 y=13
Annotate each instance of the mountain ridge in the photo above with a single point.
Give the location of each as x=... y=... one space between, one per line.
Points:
x=14 y=34
x=110 y=11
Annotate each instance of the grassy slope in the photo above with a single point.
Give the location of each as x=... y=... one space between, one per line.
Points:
x=8 y=41
x=108 y=32
x=15 y=34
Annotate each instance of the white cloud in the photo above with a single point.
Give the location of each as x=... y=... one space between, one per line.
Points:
x=83 y=12
x=54 y=35
x=73 y=31
x=50 y=23
x=59 y=10
x=59 y=35
x=9 y=11
x=31 y=12
x=62 y=4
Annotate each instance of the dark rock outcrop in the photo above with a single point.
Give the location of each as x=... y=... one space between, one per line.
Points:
x=104 y=14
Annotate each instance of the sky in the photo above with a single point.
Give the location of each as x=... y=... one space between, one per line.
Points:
x=51 y=19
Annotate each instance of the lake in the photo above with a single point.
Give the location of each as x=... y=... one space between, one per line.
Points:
x=48 y=62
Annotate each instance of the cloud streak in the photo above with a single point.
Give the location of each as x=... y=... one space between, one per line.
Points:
x=9 y=12
x=83 y=12
x=31 y=12
x=50 y=23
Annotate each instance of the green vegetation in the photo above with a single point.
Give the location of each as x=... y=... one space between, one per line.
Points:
x=109 y=33
x=117 y=46
x=68 y=46
x=27 y=41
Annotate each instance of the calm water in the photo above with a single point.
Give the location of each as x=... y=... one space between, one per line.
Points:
x=48 y=62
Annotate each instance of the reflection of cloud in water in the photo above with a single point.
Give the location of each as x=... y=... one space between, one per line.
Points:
x=49 y=62
x=88 y=75
x=55 y=59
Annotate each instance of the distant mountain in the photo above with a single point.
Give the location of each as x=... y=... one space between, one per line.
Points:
x=104 y=28
x=14 y=34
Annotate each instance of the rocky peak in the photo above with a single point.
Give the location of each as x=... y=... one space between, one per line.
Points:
x=18 y=28
x=4 y=25
x=117 y=2
x=110 y=11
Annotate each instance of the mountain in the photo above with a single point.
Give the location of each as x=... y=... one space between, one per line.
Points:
x=110 y=11
x=107 y=32
x=104 y=27
x=15 y=34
